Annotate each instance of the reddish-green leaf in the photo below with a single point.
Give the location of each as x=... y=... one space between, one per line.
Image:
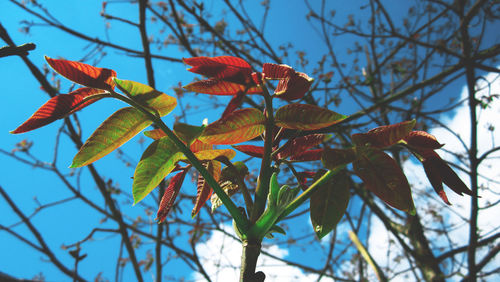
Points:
x=213 y=154
x=147 y=96
x=307 y=156
x=239 y=126
x=157 y=161
x=168 y=199
x=333 y=158
x=329 y=203
x=300 y=144
x=251 y=150
x=58 y=107
x=155 y=134
x=294 y=86
x=306 y=117
x=197 y=146
x=384 y=136
x=219 y=87
x=235 y=102
x=84 y=74
x=382 y=175
x=111 y=134
x=204 y=191
x=274 y=71
x=224 y=67
x=422 y=139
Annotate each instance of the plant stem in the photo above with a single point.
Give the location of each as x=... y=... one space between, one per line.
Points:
x=265 y=168
x=308 y=193
x=249 y=256
x=241 y=221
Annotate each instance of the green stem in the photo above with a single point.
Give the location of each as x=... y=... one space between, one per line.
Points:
x=308 y=193
x=241 y=221
x=265 y=168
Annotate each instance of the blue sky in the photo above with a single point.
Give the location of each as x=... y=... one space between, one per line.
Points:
x=22 y=97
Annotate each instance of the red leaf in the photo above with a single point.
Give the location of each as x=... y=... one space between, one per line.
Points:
x=435 y=179
x=204 y=191
x=449 y=177
x=333 y=158
x=84 y=74
x=311 y=155
x=58 y=107
x=257 y=78
x=215 y=86
x=299 y=145
x=167 y=201
x=422 y=139
x=274 y=71
x=251 y=150
x=382 y=176
x=235 y=102
x=384 y=136
x=224 y=67
x=294 y=86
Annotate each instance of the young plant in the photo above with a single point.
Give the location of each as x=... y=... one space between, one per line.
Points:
x=195 y=146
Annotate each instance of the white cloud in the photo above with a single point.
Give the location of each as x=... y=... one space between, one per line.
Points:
x=220 y=256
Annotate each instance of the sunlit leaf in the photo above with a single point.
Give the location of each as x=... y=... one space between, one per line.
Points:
x=333 y=158
x=384 y=136
x=168 y=199
x=84 y=74
x=251 y=150
x=422 y=139
x=274 y=71
x=306 y=117
x=213 y=154
x=329 y=203
x=235 y=102
x=197 y=146
x=58 y=107
x=382 y=176
x=215 y=86
x=239 y=126
x=111 y=134
x=224 y=67
x=204 y=191
x=300 y=144
x=294 y=86
x=157 y=161
x=155 y=133
x=147 y=96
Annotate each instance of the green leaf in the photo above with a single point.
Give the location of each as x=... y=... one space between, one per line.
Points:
x=111 y=134
x=147 y=96
x=306 y=117
x=187 y=133
x=329 y=203
x=382 y=175
x=239 y=126
x=157 y=161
